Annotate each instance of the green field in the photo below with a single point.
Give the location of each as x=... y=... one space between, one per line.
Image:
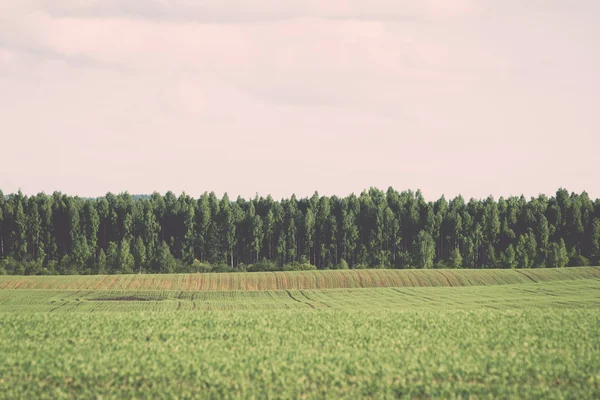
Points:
x=466 y=334
x=364 y=278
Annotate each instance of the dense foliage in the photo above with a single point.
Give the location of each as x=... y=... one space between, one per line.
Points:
x=122 y=234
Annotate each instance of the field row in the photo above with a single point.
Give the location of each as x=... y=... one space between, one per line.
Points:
x=259 y=281
x=565 y=294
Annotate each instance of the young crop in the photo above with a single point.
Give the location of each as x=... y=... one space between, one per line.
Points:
x=420 y=334
x=431 y=353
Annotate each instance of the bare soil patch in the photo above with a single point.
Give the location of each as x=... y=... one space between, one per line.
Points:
x=126 y=298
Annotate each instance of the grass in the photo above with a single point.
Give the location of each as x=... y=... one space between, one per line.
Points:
x=291 y=354
x=522 y=339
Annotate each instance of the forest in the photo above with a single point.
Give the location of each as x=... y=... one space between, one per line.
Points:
x=118 y=234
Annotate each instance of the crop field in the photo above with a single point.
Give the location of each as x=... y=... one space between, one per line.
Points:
x=558 y=294
x=478 y=334
x=366 y=278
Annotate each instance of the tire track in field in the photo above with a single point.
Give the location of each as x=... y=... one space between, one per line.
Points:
x=492 y=307
x=299 y=301
x=524 y=274
x=415 y=296
x=56 y=308
x=445 y=278
x=316 y=301
x=543 y=292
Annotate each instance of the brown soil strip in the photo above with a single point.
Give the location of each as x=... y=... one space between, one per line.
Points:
x=125 y=298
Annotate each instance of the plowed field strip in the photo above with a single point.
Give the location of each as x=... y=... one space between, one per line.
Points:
x=577 y=293
x=308 y=280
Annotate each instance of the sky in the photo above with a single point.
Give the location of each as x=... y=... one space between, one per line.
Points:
x=471 y=97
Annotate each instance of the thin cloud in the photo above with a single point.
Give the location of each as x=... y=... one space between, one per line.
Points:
x=230 y=96
x=240 y=11
x=46 y=53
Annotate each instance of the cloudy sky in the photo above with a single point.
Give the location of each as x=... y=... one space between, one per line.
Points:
x=291 y=96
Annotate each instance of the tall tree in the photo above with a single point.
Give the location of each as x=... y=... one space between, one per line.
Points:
x=309 y=230
x=558 y=256
x=20 y=228
x=256 y=232
x=112 y=258
x=425 y=250
x=203 y=221
x=34 y=237
x=509 y=257
x=455 y=258
x=2 y=212
x=139 y=254
x=522 y=252
x=595 y=237
x=125 y=260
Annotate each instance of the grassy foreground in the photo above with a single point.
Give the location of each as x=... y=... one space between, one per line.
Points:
x=525 y=354
x=518 y=340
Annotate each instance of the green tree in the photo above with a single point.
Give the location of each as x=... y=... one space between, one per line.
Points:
x=469 y=250
x=101 y=267
x=151 y=230
x=323 y=231
x=190 y=236
x=456 y=259
x=292 y=247
x=257 y=235
x=139 y=254
x=125 y=261
x=81 y=256
x=595 y=237
x=228 y=227
x=309 y=229
x=91 y=224
x=544 y=234
x=20 y=229
x=36 y=247
x=66 y=234
x=509 y=259
x=491 y=260
x=73 y=205
x=203 y=222
x=280 y=249
x=558 y=256
x=112 y=258
x=424 y=250
x=164 y=262
x=350 y=232
x=522 y=252
x=532 y=250
x=2 y=207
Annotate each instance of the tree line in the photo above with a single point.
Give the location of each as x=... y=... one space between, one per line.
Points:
x=61 y=234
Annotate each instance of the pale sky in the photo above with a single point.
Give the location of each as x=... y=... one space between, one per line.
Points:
x=479 y=97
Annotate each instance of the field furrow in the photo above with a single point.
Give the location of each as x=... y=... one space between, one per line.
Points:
x=300 y=280
x=561 y=294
